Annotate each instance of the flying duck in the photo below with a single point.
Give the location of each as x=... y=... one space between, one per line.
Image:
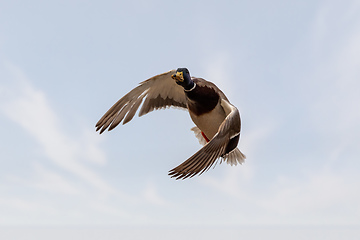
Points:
x=217 y=120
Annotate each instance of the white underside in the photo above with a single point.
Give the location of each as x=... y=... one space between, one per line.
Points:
x=210 y=122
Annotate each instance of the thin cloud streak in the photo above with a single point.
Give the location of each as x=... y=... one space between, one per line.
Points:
x=29 y=108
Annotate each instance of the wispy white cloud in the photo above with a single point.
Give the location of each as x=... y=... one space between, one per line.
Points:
x=69 y=170
x=29 y=107
x=321 y=197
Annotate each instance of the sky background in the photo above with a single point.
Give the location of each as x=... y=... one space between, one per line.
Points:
x=291 y=67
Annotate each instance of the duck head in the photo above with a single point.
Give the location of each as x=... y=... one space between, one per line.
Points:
x=182 y=77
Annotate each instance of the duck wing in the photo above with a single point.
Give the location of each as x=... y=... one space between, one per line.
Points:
x=160 y=91
x=203 y=159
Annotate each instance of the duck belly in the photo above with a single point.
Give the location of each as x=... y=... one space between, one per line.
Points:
x=209 y=122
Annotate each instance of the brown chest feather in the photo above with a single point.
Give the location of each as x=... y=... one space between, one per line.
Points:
x=202 y=99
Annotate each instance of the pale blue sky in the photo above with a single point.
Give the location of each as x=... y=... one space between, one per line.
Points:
x=292 y=69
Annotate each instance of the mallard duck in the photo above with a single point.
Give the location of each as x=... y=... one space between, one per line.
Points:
x=217 y=120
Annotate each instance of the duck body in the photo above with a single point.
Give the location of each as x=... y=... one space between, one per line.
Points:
x=217 y=121
x=205 y=109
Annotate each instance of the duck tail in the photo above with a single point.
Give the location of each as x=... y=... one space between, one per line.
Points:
x=234 y=157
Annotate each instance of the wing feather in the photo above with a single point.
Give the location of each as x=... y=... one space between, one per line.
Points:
x=160 y=91
x=205 y=158
x=133 y=110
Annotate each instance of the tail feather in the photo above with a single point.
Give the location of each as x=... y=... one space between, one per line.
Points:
x=234 y=157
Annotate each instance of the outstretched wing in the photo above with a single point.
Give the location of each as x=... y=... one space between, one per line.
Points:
x=203 y=159
x=161 y=91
